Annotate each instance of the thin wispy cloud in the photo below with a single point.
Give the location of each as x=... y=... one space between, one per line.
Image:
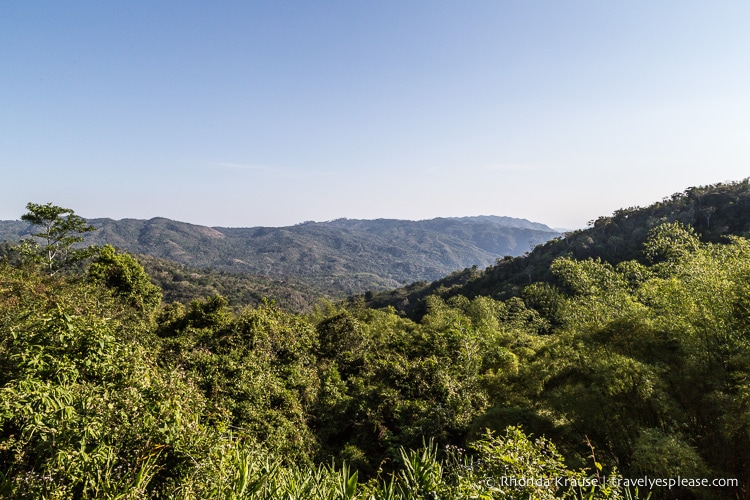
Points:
x=270 y=171
x=239 y=166
x=510 y=167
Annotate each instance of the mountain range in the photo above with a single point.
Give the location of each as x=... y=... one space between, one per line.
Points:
x=332 y=259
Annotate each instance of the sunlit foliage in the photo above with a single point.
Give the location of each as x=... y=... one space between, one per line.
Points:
x=639 y=368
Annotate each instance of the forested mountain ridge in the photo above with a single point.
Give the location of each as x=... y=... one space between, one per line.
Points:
x=714 y=212
x=335 y=258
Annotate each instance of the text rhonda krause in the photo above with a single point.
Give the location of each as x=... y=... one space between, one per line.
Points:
x=640 y=482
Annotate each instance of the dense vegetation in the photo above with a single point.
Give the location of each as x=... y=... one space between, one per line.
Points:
x=632 y=368
x=104 y=394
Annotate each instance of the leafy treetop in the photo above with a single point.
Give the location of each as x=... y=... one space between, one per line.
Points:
x=60 y=229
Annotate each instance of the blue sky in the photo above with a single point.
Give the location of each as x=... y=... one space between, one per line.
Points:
x=273 y=113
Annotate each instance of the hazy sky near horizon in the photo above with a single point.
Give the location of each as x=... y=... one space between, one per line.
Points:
x=249 y=113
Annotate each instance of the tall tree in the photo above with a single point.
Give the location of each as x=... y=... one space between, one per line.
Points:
x=60 y=229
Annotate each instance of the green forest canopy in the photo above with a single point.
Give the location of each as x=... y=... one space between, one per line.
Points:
x=638 y=368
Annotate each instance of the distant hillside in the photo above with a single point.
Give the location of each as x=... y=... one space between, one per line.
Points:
x=714 y=211
x=180 y=283
x=335 y=258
